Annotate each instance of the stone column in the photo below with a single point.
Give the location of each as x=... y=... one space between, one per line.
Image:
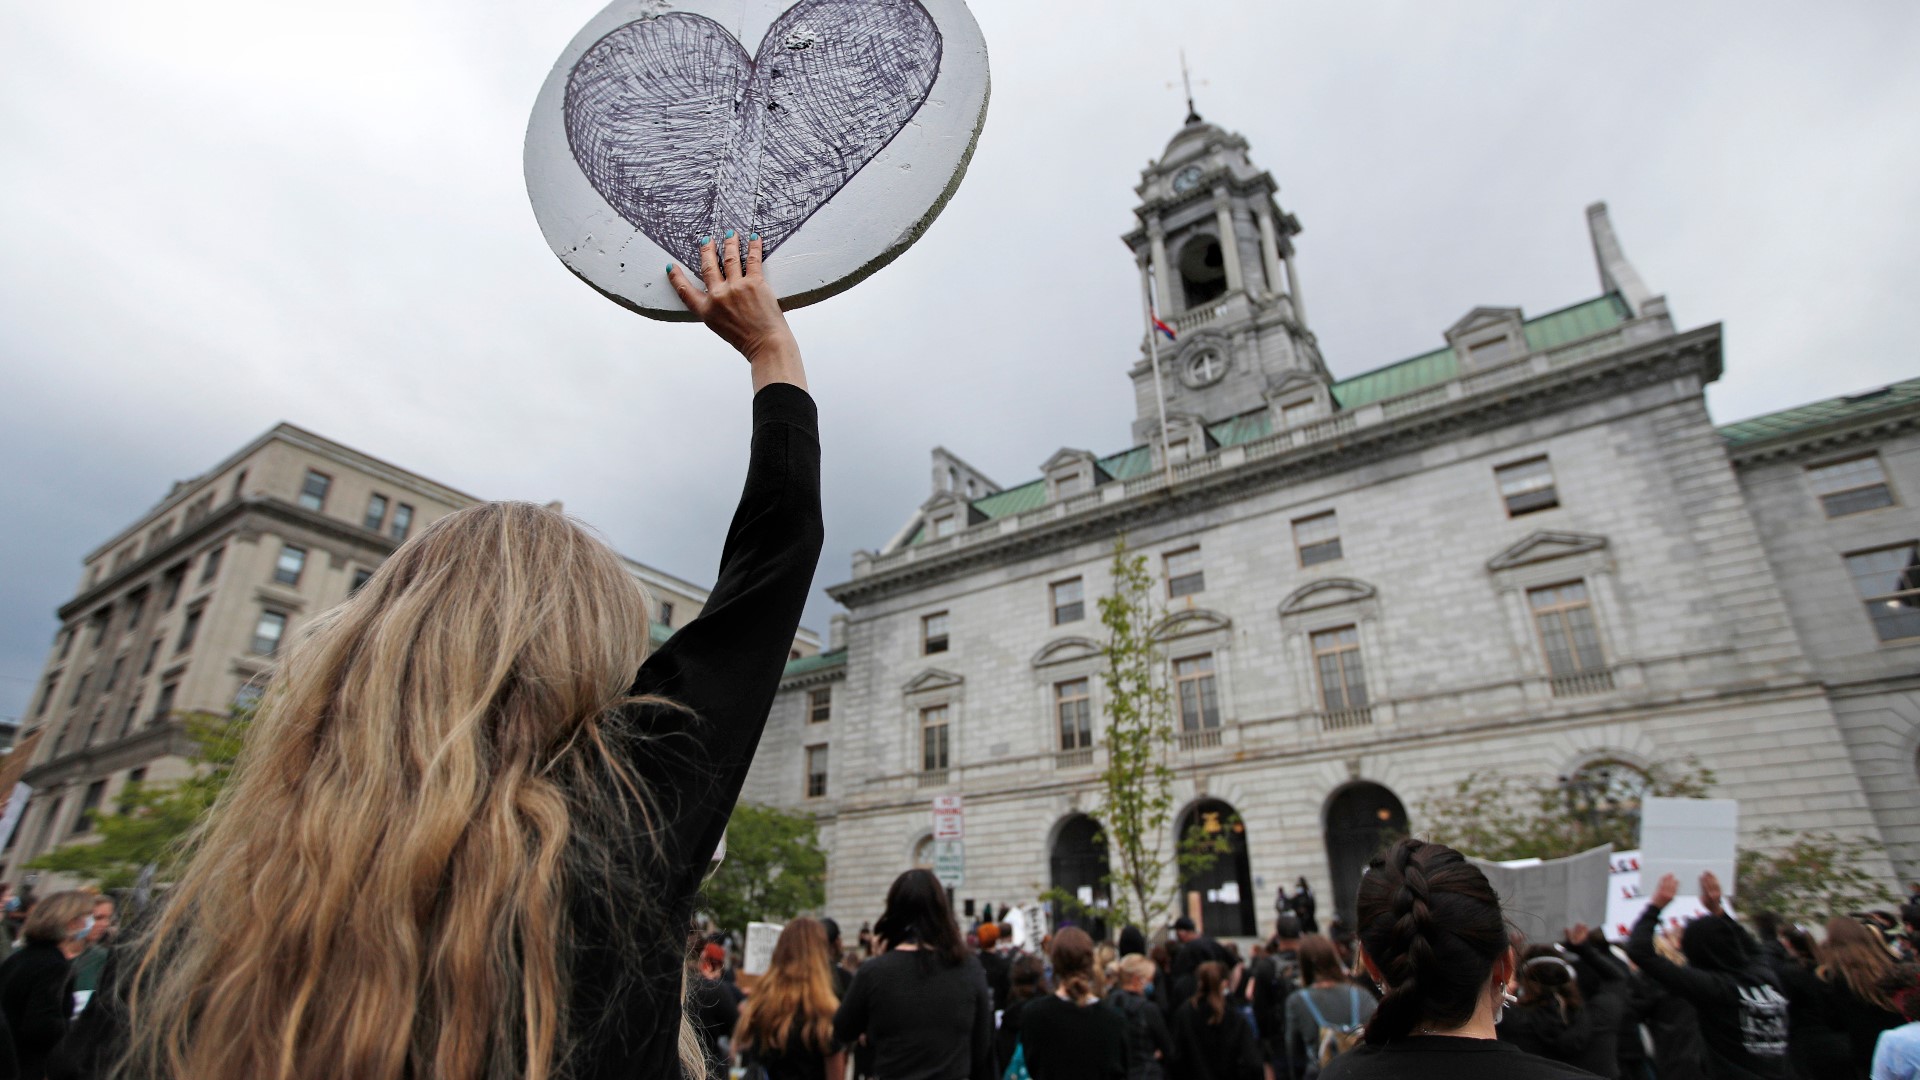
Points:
x=1229 y=242
x=1269 y=249
x=1293 y=287
x=1157 y=235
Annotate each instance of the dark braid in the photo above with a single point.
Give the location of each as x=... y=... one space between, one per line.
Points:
x=1432 y=924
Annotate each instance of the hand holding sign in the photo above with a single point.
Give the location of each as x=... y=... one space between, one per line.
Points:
x=1669 y=888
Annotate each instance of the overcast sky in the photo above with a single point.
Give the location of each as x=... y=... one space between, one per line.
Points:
x=217 y=215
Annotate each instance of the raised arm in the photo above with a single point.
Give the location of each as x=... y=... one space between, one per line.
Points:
x=1690 y=984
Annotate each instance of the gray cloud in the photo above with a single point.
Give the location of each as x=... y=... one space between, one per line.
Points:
x=216 y=215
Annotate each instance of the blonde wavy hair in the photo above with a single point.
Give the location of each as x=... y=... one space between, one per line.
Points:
x=381 y=890
x=795 y=994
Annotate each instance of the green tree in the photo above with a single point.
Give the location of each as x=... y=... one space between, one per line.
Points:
x=1496 y=816
x=1136 y=804
x=1810 y=877
x=152 y=822
x=774 y=869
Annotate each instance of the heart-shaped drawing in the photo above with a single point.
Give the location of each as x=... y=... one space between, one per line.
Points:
x=685 y=135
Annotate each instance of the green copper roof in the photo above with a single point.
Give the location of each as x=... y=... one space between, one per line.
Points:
x=1821 y=413
x=806 y=664
x=1026 y=497
x=1557 y=328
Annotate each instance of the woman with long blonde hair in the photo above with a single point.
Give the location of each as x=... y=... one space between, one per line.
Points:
x=786 y=1025
x=463 y=838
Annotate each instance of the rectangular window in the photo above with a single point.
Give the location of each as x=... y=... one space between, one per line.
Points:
x=1068 y=486
x=163 y=705
x=1179 y=450
x=170 y=587
x=113 y=673
x=132 y=717
x=136 y=607
x=1888 y=581
x=1567 y=631
x=1184 y=575
x=816 y=771
x=1343 y=682
x=1850 y=486
x=190 y=629
x=153 y=653
x=1317 y=538
x=313 y=490
x=239 y=483
x=933 y=739
x=100 y=620
x=402 y=522
x=1196 y=692
x=286 y=570
x=820 y=705
x=248 y=695
x=1073 y=708
x=1527 y=486
x=376 y=513
x=89 y=805
x=666 y=613
x=1491 y=352
x=158 y=535
x=360 y=579
x=1069 y=601
x=1296 y=414
x=933 y=633
x=66 y=641
x=212 y=567
x=135 y=777
x=46 y=694
x=268 y=632
x=944 y=525
x=79 y=689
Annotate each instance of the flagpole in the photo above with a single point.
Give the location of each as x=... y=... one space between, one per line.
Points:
x=1159 y=394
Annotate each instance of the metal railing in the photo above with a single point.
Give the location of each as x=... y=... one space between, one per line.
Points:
x=1582 y=684
x=1346 y=719
x=1204 y=739
x=931 y=778
x=1073 y=759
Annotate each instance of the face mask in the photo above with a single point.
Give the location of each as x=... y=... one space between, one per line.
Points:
x=85 y=929
x=1147 y=990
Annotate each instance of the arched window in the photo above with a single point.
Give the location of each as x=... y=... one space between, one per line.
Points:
x=1361 y=819
x=1203 y=271
x=1223 y=892
x=923 y=854
x=1606 y=794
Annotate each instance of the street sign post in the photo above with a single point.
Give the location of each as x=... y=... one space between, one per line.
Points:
x=947 y=824
x=950 y=862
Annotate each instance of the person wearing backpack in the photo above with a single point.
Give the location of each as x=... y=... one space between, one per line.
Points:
x=1149 y=1043
x=1328 y=1016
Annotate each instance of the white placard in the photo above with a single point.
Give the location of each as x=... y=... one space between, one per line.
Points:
x=758 y=954
x=950 y=862
x=1685 y=837
x=16 y=805
x=1627 y=899
x=948 y=818
x=838 y=129
x=1544 y=898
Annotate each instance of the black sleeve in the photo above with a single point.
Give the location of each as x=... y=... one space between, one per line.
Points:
x=44 y=1010
x=850 y=1020
x=1605 y=964
x=1162 y=1038
x=1695 y=986
x=984 y=1066
x=724 y=667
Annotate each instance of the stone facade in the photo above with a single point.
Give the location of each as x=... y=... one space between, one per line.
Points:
x=1546 y=558
x=253 y=546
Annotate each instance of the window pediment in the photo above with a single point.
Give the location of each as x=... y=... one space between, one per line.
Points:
x=1327 y=593
x=930 y=680
x=1482 y=318
x=1186 y=623
x=1544 y=546
x=1065 y=650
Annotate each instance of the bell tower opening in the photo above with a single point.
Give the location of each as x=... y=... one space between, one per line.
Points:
x=1203 y=271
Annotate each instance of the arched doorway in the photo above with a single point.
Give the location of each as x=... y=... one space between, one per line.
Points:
x=1223 y=892
x=1078 y=865
x=1361 y=818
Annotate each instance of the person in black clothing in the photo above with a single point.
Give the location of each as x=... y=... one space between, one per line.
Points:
x=36 y=982
x=1855 y=964
x=1071 y=1034
x=1551 y=1018
x=1743 y=1014
x=1301 y=903
x=1433 y=937
x=842 y=978
x=713 y=1004
x=1026 y=983
x=923 y=1003
x=1275 y=976
x=1603 y=981
x=995 y=965
x=1149 y=1043
x=491 y=803
x=1212 y=1040
x=1816 y=1038
x=1195 y=949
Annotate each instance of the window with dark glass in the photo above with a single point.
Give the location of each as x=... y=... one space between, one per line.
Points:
x=153 y=653
x=239 y=483
x=1336 y=656
x=1069 y=601
x=376 y=512
x=113 y=673
x=1184 y=574
x=933 y=739
x=816 y=771
x=820 y=705
x=268 y=632
x=1888 y=581
x=99 y=627
x=286 y=569
x=190 y=629
x=313 y=490
x=1073 y=709
x=402 y=522
x=211 y=568
x=1851 y=486
x=89 y=805
x=360 y=578
x=933 y=633
x=163 y=705
x=46 y=694
x=1196 y=692
x=666 y=613
x=1527 y=486
x=136 y=607
x=1568 y=634
x=170 y=585
x=131 y=718
x=66 y=641
x=1317 y=538
x=79 y=689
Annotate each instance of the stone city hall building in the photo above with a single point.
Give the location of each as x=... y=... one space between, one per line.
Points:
x=1529 y=550
x=184 y=610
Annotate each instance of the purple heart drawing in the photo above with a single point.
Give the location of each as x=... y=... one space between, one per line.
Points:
x=685 y=135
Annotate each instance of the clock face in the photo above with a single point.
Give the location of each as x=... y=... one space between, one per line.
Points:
x=1187 y=179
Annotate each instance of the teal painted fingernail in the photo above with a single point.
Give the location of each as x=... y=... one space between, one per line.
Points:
x=669 y=268
x=729 y=234
x=755 y=236
x=705 y=240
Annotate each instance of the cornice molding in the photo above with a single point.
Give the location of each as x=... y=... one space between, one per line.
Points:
x=1815 y=442
x=157 y=740
x=1694 y=353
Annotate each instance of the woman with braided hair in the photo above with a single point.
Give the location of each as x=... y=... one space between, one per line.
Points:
x=1433 y=939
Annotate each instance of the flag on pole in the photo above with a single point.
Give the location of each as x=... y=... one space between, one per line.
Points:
x=1165 y=329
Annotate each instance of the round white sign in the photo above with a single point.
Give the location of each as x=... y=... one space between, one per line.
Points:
x=835 y=129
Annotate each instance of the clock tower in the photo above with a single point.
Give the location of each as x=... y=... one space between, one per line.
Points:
x=1217 y=250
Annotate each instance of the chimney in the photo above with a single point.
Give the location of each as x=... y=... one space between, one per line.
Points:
x=837 y=632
